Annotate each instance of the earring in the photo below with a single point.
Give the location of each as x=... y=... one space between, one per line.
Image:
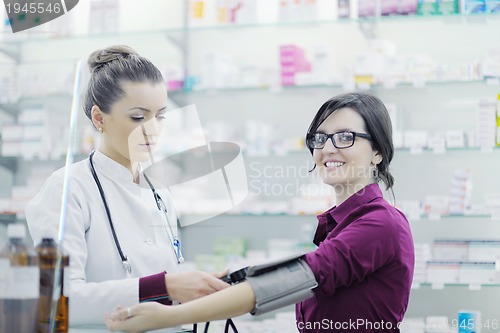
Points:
x=100 y=130
x=375 y=174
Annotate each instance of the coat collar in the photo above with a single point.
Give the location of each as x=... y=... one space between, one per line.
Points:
x=112 y=169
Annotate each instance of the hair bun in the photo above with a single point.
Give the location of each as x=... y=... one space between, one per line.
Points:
x=101 y=57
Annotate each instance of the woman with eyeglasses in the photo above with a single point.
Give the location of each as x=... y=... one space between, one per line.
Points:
x=121 y=228
x=364 y=262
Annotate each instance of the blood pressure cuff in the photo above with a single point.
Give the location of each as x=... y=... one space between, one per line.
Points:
x=280 y=283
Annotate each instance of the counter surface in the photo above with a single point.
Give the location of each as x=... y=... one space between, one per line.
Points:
x=103 y=329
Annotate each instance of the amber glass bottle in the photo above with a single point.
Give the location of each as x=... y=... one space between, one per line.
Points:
x=48 y=253
x=19 y=275
x=62 y=311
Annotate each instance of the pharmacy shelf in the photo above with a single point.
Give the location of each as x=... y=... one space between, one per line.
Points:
x=439 y=286
x=76 y=157
x=424 y=217
x=13 y=108
x=450 y=18
x=363 y=86
x=42 y=37
x=10 y=163
x=48 y=37
x=7 y=218
x=66 y=96
x=484 y=150
x=231 y=215
x=10 y=108
x=412 y=151
x=430 y=217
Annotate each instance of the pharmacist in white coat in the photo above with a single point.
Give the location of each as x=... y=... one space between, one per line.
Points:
x=121 y=229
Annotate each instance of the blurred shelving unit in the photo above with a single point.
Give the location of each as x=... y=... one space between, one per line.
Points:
x=441 y=99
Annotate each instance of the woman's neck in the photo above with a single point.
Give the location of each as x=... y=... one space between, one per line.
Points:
x=129 y=165
x=344 y=191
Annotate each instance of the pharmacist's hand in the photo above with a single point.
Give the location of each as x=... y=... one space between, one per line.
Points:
x=140 y=318
x=184 y=287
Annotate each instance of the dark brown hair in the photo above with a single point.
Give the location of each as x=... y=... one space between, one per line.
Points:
x=109 y=68
x=378 y=125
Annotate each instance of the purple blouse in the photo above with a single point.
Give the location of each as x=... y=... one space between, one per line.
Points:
x=364 y=267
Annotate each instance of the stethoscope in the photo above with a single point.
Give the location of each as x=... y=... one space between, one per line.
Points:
x=176 y=244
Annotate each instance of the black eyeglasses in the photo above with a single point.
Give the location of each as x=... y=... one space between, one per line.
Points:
x=340 y=140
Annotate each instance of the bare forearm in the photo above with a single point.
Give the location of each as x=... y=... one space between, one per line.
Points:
x=227 y=303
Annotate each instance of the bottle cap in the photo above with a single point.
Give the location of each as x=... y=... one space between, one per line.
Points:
x=16 y=230
x=48 y=233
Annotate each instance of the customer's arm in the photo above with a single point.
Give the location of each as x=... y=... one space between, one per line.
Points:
x=227 y=303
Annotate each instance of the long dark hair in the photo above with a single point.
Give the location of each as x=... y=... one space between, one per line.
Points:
x=378 y=125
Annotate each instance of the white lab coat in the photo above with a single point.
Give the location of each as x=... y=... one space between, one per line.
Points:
x=98 y=280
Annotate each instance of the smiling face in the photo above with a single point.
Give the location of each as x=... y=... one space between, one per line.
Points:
x=131 y=128
x=349 y=169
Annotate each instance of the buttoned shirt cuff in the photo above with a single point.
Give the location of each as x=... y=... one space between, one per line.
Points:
x=153 y=288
